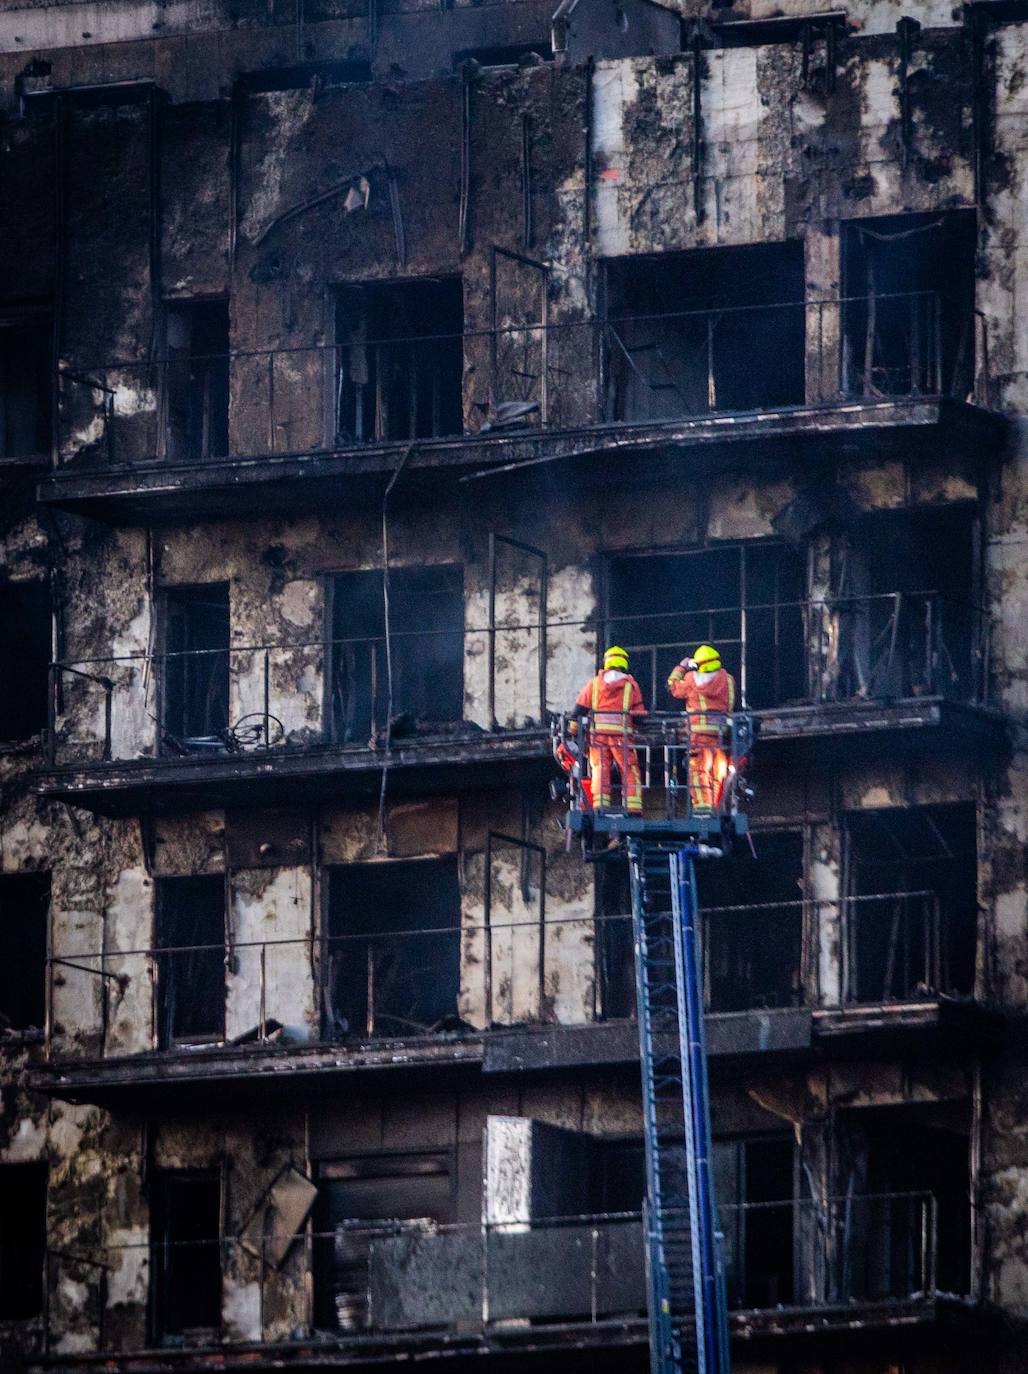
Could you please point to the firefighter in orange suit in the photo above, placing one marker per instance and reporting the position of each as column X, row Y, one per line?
column 708, row 691
column 614, row 701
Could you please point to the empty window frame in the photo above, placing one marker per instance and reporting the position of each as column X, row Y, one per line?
column 744, row 598
column 905, row 622
column 25, row 629
column 908, row 316
column 426, row 618
column 196, row 379
column 753, row 925
column 24, row 916
column 712, row 329
column 912, row 908
column 353, row 1194
column 381, row 979
column 190, row 960
column 26, row 384
column 400, row 360
column 185, row 1259
column 506, row 55
column 22, row 1240
column 195, row 681
column 751, row 1176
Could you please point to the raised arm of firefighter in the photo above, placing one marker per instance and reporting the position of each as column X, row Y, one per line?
column 703, row 685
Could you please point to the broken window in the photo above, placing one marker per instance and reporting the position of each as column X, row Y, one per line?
column 753, row 924
column 24, row 912
column 22, row 1240
column 185, row 1258
column 382, row 979
column 744, row 598
column 912, row 908
column 25, row 628
column 353, row 1193
column 741, row 903
column 750, row 1176
column 195, row 684
column 905, row 619
column 191, row 960
column 712, row 329
column 26, row 385
column 910, row 1220
column 908, row 317
column 196, row 379
column 426, row 619
column 509, row 55
column 401, row 360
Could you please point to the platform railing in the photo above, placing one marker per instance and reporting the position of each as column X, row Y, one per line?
column 631, row 367
column 422, row 1278
column 310, row 693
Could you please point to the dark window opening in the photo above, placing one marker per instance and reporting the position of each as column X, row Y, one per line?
column 196, row 379
column 752, row 957
column 712, row 329
column 908, row 319
column 508, row 55
column 401, row 360
column 25, row 634
column 185, row 1266
column 191, row 981
column 26, row 385
column 24, row 913
column 426, row 619
column 918, row 1207
column 318, row 76
column 22, row 1240
column 912, row 912
column 381, row 981
column 617, row 1176
column 351, row 1194
column 196, row 666
column 745, row 599
column 906, row 619
column 758, row 1239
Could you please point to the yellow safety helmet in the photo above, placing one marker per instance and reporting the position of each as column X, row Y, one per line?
column 707, row 659
column 615, row 658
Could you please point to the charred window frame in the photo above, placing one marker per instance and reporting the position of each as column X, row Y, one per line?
column 354, row 1192
column 911, row 887
column 195, row 393
column 194, row 695
column 506, row 55
column 24, row 942
column 186, row 1225
column 426, row 621
column 713, row 329
column 23, row 1189
column 26, row 383
column 26, row 636
column 746, row 598
column 759, row 1244
column 382, row 975
column 190, row 940
column 400, row 360
column 909, row 315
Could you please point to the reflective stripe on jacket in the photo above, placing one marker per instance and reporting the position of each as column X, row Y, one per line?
column 612, row 696
column 716, row 696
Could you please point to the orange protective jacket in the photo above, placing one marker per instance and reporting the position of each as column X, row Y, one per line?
column 611, row 695
column 716, row 697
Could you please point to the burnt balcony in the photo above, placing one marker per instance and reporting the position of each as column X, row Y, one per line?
column 519, row 1291
column 200, row 1014
column 192, row 434
column 239, row 726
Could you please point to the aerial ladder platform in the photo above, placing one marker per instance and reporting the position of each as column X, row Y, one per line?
column 692, row 811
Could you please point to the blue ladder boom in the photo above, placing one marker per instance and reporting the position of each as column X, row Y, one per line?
column 687, row 1303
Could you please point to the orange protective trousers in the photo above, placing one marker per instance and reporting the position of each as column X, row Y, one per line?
column 708, row 768
column 603, row 752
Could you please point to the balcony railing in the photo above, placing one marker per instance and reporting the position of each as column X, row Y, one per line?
column 848, row 649
column 635, row 368
column 449, row 981
column 422, row 1279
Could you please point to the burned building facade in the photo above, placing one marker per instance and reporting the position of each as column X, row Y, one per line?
column 364, row 370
